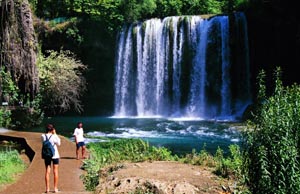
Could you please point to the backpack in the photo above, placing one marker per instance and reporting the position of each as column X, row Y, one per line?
column 47, row 149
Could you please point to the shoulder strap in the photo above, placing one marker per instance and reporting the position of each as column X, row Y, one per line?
column 47, row 137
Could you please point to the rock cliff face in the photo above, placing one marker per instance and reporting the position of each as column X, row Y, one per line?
column 18, row 44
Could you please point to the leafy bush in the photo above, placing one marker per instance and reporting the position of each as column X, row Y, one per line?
column 5, row 117
column 61, row 82
column 9, row 88
column 28, row 115
column 231, row 166
column 273, row 144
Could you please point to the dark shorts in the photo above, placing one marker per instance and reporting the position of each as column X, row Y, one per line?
column 80, row 144
column 53, row 161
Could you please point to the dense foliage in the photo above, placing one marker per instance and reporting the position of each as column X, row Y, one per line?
column 116, row 12
column 9, row 88
column 61, row 82
column 5, row 117
column 61, row 87
column 23, row 100
column 19, row 111
column 273, row 144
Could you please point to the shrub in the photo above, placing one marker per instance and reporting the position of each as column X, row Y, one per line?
column 5, row 117
column 230, row 166
column 273, row 143
column 61, row 81
column 28, row 115
column 9, row 88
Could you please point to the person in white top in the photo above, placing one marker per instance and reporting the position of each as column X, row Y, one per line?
column 79, row 139
column 55, row 141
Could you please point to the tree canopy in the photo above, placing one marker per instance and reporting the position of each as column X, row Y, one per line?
column 116, row 12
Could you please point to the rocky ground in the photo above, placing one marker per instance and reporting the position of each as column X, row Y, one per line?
column 161, row 177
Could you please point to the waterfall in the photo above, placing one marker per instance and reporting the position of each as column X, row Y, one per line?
column 183, row 66
column 123, row 87
column 196, row 105
column 225, row 90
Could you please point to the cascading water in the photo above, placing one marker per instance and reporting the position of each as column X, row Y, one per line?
column 183, row 66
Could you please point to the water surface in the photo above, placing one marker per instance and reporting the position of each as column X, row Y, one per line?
column 179, row 135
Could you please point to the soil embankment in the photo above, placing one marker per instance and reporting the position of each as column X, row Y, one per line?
column 163, row 177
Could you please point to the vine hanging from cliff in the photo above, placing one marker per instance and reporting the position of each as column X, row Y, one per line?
column 18, row 45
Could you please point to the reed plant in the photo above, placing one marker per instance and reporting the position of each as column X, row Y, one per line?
column 273, row 140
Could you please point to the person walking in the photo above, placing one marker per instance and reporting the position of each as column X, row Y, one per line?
column 55, row 141
column 79, row 140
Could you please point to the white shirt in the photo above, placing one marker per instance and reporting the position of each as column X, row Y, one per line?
column 78, row 133
column 55, row 141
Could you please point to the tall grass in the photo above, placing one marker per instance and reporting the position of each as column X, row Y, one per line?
column 10, row 165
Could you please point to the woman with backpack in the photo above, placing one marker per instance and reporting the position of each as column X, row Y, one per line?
column 55, row 141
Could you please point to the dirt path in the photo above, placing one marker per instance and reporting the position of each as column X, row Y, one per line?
column 32, row 180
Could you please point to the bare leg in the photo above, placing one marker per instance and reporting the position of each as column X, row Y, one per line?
column 55, row 173
column 77, row 153
column 47, row 175
column 83, row 151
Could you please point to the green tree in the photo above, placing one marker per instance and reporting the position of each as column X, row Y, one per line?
column 148, row 8
column 61, row 82
column 113, row 13
column 168, row 8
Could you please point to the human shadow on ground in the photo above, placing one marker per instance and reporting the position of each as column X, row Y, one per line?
column 68, row 158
